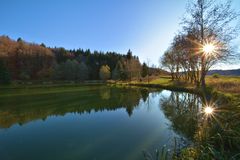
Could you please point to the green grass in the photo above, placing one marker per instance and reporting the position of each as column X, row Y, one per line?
column 164, row 81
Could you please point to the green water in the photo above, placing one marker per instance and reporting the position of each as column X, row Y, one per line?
column 93, row 122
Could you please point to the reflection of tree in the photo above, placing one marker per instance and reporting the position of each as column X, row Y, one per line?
column 144, row 93
column 182, row 110
column 24, row 108
column 130, row 99
column 105, row 93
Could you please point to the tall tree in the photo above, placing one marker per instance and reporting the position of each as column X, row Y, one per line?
column 212, row 24
column 144, row 70
column 129, row 54
column 83, row 72
column 168, row 62
column 118, row 72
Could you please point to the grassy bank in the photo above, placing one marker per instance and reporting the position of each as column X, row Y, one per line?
column 224, row 86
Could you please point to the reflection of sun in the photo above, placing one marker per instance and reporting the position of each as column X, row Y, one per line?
column 208, row 110
column 211, row 111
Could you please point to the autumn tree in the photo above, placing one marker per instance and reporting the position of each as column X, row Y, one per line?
column 29, row 61
column 105, row 72
column 168, row 62
column 132, row 66
column 24, row 60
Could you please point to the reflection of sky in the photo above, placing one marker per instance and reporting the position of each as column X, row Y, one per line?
column 146, row 27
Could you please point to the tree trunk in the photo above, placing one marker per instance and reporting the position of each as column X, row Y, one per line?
column 172, row 74
column 203, row 73
column 203, row 82
column 203, row 60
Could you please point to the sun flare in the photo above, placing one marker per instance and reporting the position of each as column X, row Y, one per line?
column 208, row 110
column 209, row 48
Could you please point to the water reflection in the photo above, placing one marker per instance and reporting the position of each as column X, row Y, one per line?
column 88, row 122
column 182, row 109
column 22, row 108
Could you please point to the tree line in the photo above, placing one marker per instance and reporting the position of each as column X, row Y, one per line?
column 20, row 60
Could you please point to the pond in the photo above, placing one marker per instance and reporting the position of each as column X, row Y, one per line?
column 93, row 122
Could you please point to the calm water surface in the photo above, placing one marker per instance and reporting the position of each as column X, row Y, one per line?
column 93, row 122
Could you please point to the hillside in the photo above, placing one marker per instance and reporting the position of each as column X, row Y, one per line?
column 21, row 60
column 233, row 72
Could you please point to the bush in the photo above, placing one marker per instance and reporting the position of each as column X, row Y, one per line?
column 216, row 75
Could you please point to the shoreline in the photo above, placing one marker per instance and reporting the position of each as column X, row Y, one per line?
column 207, row 93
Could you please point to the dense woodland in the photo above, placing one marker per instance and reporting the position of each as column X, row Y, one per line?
column 20, row 60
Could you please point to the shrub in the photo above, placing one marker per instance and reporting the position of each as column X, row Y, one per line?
column 216, row 75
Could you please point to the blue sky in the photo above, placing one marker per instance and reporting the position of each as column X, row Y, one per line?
column 144, row 26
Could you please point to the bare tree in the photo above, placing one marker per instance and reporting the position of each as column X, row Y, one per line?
column 212, row 24
column 168, row 62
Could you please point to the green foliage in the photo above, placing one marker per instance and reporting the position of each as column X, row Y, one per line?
column 105, row 72
column 215, row 75
column 43, row 45
column 71, row 70
column 119, row 72
column 144, row 70
column 189, row 153
column 129, row 54
column 83, row 72
column 19, row 39
column 4, row 74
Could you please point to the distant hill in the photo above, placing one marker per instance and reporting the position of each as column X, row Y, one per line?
column 234, row 72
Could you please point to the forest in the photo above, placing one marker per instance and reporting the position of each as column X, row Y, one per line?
column 20, row 60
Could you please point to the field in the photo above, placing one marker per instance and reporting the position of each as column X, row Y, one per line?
column 223, row 84
column 226, row 84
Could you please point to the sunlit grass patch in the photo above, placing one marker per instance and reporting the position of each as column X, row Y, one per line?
column 161, row 81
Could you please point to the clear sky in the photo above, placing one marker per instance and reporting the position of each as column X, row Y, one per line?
column 144, row 26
